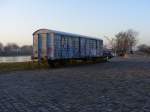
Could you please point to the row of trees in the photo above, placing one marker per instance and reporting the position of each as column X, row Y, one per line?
column 13, row 49
column 123, row 42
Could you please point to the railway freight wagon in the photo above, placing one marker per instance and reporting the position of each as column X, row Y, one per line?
column 56, row 46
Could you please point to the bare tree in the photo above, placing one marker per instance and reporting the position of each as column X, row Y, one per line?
column 125, row 41
column 132, row 39
column 122, row 43
column 26, row 50
column 11, row 49
column 1, row 47
column 112, row 43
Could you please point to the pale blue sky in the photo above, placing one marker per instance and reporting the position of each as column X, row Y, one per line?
column 20, row 18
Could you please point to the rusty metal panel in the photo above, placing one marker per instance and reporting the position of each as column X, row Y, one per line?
column 44, row 46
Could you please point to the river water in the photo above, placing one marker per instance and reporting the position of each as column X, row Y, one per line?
column 15, row 59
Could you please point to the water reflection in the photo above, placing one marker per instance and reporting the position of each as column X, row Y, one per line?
column 15, row 59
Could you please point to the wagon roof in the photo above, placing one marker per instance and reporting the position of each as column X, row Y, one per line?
column 62, row 33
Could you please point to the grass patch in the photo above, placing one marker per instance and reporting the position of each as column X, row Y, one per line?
column 20, row 66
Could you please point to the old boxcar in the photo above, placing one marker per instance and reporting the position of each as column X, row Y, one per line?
column 60, row 46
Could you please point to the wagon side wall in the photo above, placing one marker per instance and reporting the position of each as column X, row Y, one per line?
column 54, row 45
column 68, row 47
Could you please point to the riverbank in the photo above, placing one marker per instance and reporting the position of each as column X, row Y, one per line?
column 30, row 65
column 20, row 66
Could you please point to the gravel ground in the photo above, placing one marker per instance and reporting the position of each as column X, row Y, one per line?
column 121, row 85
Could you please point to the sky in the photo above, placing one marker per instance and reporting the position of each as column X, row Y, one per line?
column 98, row 18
